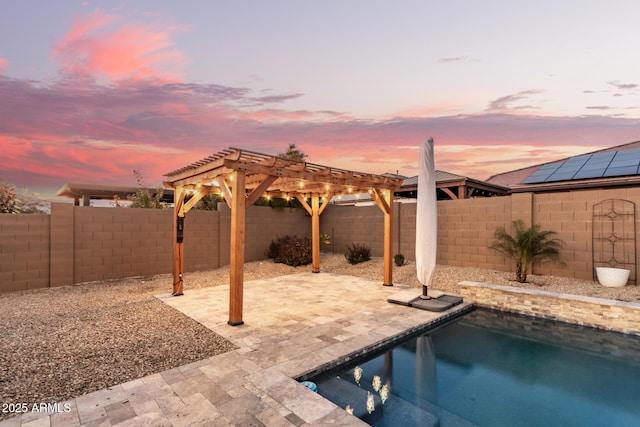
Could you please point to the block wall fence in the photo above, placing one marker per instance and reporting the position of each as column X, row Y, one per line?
column 80, row 244
column 466, row 228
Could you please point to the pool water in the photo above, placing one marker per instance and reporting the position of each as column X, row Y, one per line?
column 495, row 369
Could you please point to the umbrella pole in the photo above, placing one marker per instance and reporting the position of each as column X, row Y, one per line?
column 424, row 293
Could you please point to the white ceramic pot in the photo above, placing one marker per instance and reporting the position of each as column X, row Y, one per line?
column 612, row 277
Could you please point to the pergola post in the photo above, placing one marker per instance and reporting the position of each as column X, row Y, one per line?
column 388, row 238
column 178, row 241
column 236, row 275
column 315, row 232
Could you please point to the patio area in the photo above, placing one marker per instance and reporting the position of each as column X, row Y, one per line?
column 293, row 325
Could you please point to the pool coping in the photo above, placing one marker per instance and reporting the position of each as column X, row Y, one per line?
column 600, row 313
column 388, row 342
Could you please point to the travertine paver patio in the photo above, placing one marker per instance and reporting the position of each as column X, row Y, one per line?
column 293, row 324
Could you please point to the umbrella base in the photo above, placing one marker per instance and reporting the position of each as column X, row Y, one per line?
column 441, row 303
column 437, row 301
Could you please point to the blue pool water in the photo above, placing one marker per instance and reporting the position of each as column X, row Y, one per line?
column 495, row 369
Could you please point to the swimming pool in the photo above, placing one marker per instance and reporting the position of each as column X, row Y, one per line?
column 495, row 369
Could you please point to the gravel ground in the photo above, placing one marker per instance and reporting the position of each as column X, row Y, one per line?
column 59, row 343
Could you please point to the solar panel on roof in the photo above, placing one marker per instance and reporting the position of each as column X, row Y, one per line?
column 629, row 170
column 538, row 177
column 578, row 159
column 589, row 166
column 554, row 166
column 589, row 173
column 605, row 155
column 618, row 162
column 633, row 152
column 560, row 177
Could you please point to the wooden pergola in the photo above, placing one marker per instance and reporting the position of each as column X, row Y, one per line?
column 242, row 177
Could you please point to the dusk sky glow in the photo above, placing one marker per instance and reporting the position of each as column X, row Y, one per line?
column 90, row 90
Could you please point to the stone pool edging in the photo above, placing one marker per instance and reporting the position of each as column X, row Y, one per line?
column 611, row 315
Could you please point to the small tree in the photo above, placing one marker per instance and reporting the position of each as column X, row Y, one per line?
column 293, row 153
column 143, row 197
column 527, row 246
column 8, row 198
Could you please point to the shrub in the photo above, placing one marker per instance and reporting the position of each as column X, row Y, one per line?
column 527, row 246
column 143, row 197
column 8, row 198
column 357, row 253
column 398, row 259
column 291, row 250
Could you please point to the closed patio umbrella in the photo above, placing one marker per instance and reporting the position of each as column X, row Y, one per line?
column 426, row 217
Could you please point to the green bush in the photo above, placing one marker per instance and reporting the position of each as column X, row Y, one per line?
column 527, row 246
column 357, row 253
column 291, row 250
column 399, row 259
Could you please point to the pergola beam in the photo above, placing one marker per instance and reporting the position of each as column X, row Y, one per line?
column 195, row 199
column 259, row 190
column 226, row 192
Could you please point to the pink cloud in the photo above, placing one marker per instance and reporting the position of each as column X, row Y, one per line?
column 100, row 45
column 75, row 129
column 3, row 64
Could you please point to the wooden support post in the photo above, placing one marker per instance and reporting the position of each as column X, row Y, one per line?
column 388, row 239
column 178, row 241
column 236, row 274
column 315, row 232
column 384, row 200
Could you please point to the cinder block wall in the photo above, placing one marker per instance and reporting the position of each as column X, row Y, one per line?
column 203, row 241
column 77, row 244
column 24, row 252
column 264, row 224
column 347, row 225
column 116, row 243
column 466, row 228
column 570, row 214
column 405, row 237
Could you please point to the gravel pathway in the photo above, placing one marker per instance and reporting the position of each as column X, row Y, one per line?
column 63, row 342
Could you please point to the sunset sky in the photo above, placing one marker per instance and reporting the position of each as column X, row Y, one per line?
column 90, row 90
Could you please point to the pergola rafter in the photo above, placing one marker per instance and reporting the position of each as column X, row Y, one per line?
column 243, row 176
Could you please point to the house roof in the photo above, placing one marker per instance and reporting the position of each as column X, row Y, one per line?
column 92, row 191
column 613, row 166
column 456, row 186
column 441, row 176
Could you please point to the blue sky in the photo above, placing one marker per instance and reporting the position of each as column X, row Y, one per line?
column 93, row 90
